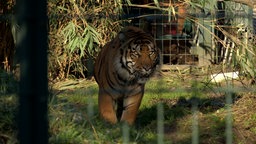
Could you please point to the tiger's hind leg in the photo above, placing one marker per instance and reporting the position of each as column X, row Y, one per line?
column 107, row 107
column 130, row 108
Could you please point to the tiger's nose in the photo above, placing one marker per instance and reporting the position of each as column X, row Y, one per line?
column 147, row 69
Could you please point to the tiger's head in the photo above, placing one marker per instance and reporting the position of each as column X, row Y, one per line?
column 138, row 55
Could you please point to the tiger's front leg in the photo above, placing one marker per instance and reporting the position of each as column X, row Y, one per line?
column 106, row 107
column 130, row 108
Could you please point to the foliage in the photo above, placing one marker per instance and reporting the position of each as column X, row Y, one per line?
column 7, row 47
column 8, row 83
column 245, row 55
column 78, row 29
column 8, row 121
column 233, row 32
column 239, row 40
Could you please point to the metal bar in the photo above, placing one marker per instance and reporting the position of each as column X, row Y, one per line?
column 33, row 88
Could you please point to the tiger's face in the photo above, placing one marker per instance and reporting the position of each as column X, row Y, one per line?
column 139, row 58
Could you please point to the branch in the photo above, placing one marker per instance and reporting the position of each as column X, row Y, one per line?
column 250, row 3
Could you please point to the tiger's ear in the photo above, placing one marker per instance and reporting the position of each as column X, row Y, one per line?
column 119, row 40
column 121, row 36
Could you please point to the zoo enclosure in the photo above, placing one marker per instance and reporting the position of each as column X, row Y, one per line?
column 194, row 36
column 171, row 41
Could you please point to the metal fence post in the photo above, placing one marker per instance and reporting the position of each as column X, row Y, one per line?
column 33, row 89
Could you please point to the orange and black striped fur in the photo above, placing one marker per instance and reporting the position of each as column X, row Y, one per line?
column 121, row 70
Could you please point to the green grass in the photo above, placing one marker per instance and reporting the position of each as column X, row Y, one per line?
column 172, row 111
column 8, row 113
column 74, row 117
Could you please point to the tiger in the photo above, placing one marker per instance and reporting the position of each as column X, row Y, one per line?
column 122, row 68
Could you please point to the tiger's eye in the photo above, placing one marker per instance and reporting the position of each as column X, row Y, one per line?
column 147, row 42
column 138, row 42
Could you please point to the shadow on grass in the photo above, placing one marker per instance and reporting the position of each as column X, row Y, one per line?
column 179, row 117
